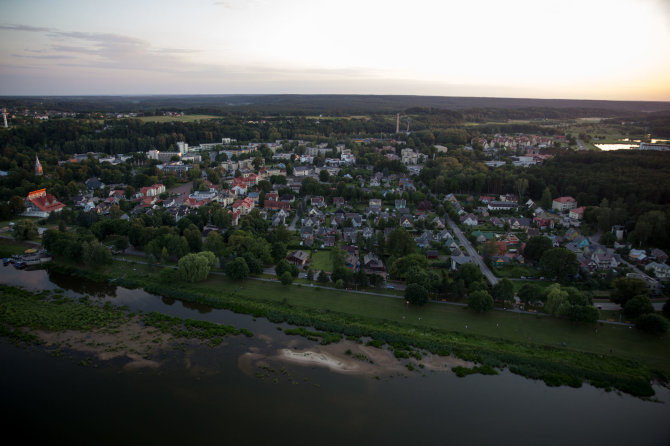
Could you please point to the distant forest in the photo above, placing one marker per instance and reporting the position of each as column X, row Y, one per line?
column 510, row 108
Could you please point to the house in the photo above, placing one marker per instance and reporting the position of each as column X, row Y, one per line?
column 502, row 205
column 571, row 234
column 424, row 239
column 302, row 171
column 373, row 265
column 432, row 254
column 486, row 199
column 577, row 213
column 562, row 204
column 469, row 220
column 243, row 206
column 94, row 183
column 299, row 258
column 318, row 201
column 661, row 270
column 272, row 204
column 375, row 202
column 306, row 234
column 349, row 235
column 637, row 255
column 338, row 201
column 457, row 261
column 604, row 259
column 444, row 235
column 351, row 258
column 150, row 191
column 40, row 204
column 278, row 220
column 519, row 223
column 400, row 204
column 368, row 232
column 658, row 255
column 406, row 221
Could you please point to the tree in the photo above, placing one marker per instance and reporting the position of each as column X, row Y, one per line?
column 193, row 238
column 237, row 269
column 480, row 301
column 531, row 292
column 625, row 289
column 212, row 260
column 400, row 243
column 95, row 254
column 503, row 290
column 193, row 267
column 652, row 323
column 637, row 306
column 324, row 176
column 546, row 199
column 24, row 230
column 214, row 243
column 416, row 294
column 286, row 278
column 470, row 273
column 556, row 299
column 560, row 263
column 401, row 266
column 310, row 274
column 322, row 277
column 607, row 239
column 536, row 246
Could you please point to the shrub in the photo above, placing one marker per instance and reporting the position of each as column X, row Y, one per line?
column 652, row 323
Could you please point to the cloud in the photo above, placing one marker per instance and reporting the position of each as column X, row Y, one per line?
column 42, row 56
column 24, row 28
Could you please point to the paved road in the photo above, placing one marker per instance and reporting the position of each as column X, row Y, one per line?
column 473, row 253
column 580, row 145
column 291, row 227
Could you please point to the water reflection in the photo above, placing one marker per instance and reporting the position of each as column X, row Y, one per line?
column 82, row 286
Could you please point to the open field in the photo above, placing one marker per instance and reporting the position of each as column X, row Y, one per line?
column 603, row 339
column 185, row 118
column 321, row 261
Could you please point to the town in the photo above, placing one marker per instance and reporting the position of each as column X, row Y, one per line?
column 359, row 213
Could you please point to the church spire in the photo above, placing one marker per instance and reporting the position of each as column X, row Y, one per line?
column 38, row 166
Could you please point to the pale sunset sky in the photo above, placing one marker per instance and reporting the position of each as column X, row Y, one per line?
column 571, row 49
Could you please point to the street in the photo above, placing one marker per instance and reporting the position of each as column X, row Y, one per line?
column 473, row 253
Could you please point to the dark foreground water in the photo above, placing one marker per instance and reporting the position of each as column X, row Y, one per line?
column 204, row 395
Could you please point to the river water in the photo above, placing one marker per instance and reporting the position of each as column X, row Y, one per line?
column 206, row 395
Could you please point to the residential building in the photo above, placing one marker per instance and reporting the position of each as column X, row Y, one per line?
column 40, row 204
column 562, row 204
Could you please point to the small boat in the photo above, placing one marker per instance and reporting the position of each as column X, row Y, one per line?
column 20, row 265
column 6, row 260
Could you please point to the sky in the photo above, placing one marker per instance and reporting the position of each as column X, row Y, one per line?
column 567, row 49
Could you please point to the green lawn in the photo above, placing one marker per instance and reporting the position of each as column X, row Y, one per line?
column 321, row 260
column 610, row 340
column 607, row 339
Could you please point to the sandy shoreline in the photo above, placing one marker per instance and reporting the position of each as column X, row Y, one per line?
column 351, row 357
column 131, row 340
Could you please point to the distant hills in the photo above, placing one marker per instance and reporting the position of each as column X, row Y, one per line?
column 326, row 104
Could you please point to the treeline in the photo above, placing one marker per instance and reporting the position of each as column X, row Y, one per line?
column 331, row 104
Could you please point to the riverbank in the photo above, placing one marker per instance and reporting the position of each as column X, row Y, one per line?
column 555, row 364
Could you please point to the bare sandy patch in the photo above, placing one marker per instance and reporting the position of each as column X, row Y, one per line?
column 351, row 357
column 131, row 340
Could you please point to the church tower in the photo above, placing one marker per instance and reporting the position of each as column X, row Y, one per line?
column 38, row 166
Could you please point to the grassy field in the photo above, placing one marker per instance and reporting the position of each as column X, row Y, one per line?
column 185, row 118
column 603, row 339
column 321, row 261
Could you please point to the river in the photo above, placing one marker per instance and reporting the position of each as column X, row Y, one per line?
column 206, row 394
